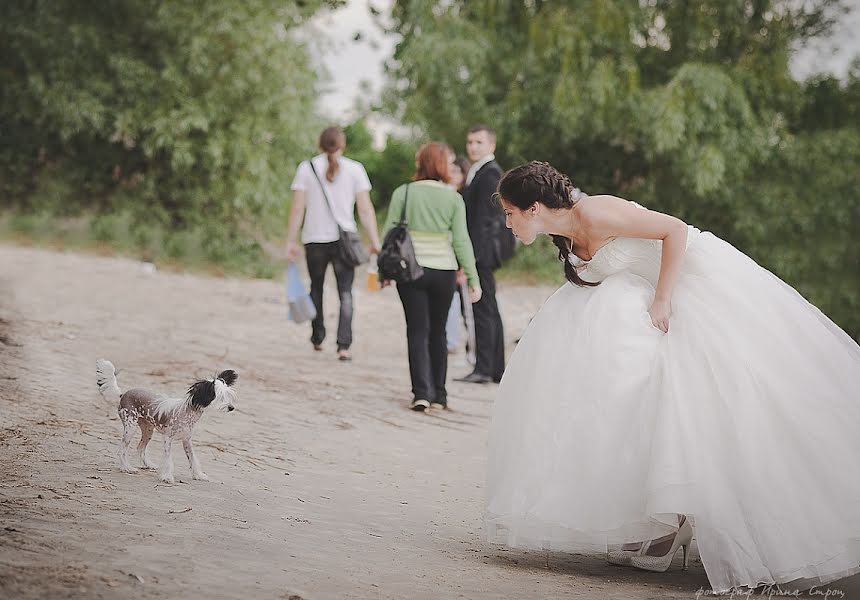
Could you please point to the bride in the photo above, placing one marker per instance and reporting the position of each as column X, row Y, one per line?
column 672, row 387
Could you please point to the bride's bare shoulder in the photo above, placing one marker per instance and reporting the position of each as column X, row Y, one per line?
column 596, row 208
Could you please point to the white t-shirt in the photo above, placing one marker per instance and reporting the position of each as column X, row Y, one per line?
column 351, row 178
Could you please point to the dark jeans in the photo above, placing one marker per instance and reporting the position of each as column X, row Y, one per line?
column 425, row 303
column 489, row 333
column 319, row 256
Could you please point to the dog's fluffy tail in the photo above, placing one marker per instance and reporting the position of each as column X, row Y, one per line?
column 106, row 379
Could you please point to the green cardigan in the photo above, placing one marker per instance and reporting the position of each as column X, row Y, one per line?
column 436, row 218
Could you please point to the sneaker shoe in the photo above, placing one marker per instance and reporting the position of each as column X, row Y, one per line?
column 438, row 406
column 419, row 405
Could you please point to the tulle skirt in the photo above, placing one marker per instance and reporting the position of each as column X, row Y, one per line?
column 745, row 416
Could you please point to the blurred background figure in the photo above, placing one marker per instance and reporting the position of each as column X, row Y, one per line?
column 489, row 239
column 437, row 225
column 326, row 190
column 458, row 169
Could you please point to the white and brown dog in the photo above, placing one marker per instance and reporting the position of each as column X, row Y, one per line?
column 173, row 417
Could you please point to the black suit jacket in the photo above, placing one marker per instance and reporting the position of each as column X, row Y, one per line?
column 485, row 218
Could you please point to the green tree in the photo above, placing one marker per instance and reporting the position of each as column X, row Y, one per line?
column 688, row 107
column 387, row 168
column 182, row 112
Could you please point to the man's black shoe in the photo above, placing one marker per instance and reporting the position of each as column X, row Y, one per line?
column 474, row 378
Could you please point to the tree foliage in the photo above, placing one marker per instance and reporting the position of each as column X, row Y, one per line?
column 688, row 107
column 183, row 112
column 387, row 168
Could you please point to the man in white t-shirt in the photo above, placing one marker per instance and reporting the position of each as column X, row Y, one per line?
column 326, row 191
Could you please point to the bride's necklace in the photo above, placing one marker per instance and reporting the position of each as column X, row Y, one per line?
column 572, row 239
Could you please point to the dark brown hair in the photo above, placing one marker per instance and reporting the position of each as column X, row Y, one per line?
column 465, row 165
column 432, row 162
column 332, row 139
column 481, row 127
column 541, row 182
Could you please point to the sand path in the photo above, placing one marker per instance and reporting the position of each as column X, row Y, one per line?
column 323, row 484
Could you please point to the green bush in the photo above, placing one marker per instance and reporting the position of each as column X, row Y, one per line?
column 536, row 263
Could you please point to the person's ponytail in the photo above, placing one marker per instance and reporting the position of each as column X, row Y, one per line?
column 331, row 140
column 333, row 167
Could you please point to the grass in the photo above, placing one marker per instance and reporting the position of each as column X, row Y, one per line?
column 211, row 251
column 534, row 264
column 198, row 249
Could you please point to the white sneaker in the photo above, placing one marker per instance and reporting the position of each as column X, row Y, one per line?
column 419, row 405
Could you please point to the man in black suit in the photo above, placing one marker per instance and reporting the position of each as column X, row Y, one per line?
column 492, row 243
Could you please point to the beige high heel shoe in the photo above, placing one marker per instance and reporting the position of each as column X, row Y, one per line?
column 682, row 540
column 624, row 557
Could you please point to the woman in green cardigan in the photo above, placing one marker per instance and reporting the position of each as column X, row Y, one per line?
column 437, row 224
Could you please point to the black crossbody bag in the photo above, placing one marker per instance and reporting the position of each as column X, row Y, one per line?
column 350, row 250
column 396, row 260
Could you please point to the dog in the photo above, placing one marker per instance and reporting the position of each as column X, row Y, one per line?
column 175, row 418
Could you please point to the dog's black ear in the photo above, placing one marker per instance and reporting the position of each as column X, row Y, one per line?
column 229, row 376
column 202, row 393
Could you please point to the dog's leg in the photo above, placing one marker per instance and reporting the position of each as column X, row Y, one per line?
column 145, row 436
column 128, row 427
column 166, row 473
column 196, row 470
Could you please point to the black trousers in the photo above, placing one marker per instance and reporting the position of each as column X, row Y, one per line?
column 425, row 303
column 489, row 332
column 318, row 257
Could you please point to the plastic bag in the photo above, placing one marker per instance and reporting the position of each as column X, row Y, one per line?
column 301, row 307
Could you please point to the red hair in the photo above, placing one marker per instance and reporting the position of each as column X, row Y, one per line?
column 432, row 162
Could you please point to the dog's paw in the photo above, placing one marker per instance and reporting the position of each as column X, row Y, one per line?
column 150, row 467
column 167, row 479
column 129, row 470
column 201, row 476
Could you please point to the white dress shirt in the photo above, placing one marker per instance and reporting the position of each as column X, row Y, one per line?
column 473, row 170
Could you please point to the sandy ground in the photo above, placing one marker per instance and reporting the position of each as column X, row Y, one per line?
column 324, row 485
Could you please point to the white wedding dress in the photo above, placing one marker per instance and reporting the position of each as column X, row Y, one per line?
column 745, row 416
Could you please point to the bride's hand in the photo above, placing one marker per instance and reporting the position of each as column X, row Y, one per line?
column 660, row 311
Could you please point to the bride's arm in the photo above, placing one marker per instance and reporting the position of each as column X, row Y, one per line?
column 610, row 217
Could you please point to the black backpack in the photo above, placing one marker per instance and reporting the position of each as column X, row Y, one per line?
column 396, row 260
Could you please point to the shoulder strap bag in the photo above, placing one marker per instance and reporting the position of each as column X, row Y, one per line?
column 350, row 250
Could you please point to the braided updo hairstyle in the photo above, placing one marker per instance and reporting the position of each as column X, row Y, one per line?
column 541, row 182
